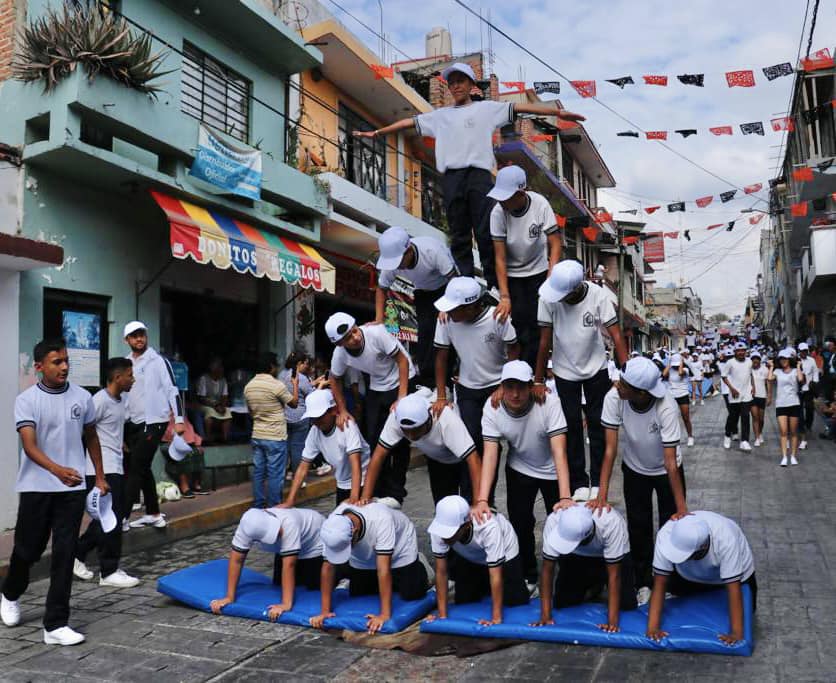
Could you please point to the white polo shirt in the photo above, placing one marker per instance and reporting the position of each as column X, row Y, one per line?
column 492, row 542
column 299, row 534
column 786, row 388
column 740, row 377
column 680, row 384
column 110, row 428
column 383, row 531
column 434, row 266
column 525, row 235
column 578, row 351
column 464, row 135
column 376, row 358
column 448, row 440
column 760, row 374
column 729, row 557
column 645, row 434
column 721, row 366
column 810, row 370
column 59, row 417
column 481, row 346
column 610, row 541
column 529, row 435
column 335, row 447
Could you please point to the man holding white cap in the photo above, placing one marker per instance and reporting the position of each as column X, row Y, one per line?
column 443, row 439
column 486, row 559
column 381, row 549
column 151, row 402
column 699, row 553
column 573, row 317
column 464, row 154
column 526, row 245
column 536, row 459
column 110, row 428
column 642, row 408
column 737, row 376
column 371, row 349
column 428, row 264
column 344, row 449
column 808, row 392
column 592, row 551
column 293, row 535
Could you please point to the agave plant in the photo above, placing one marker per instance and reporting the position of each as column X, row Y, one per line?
column 62, row 39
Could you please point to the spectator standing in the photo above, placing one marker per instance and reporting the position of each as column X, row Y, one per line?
column 808, row 392
column 213, row 396
column 298, row 364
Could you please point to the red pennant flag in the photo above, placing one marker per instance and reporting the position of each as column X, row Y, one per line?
column 749, row 189
column 561, row 220
column 655, row 80
column 715, row 226
column 721, row 130
column 740, row 79
column 630, row 240
column 783, row 123
column 833, row 196
column 514, row 85
column 603, row 216
column 541, row 137
column 754, row 220
column 702, row 202
column 657, row 135
column 818, row 60
column 566, row 125
column 590, row 233
column 799, row 209
column 671, row 235
column 651, row 209
column 803, row 175
column 381, row 71
column 584, row 88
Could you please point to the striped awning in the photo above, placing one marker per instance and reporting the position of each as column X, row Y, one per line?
column 208, row 236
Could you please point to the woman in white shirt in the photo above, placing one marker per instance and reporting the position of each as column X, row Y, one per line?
column 761, row 395
column 677, row 376
column 788, row 381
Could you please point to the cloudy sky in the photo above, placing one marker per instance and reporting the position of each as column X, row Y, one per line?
column 614, row 38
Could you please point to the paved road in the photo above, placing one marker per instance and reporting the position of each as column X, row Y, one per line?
column 787, row 514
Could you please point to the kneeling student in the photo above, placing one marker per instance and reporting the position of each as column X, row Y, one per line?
column 381, row 549
column 699, row 553
column 291, row 533
column 592, row 551
column 487, row 559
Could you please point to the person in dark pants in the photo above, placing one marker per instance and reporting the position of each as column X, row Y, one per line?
column 573, row 316
column 737, row 376
column 51, row 418
column 808, row 393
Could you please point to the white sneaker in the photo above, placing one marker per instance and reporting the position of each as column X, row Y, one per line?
column 135, row 507
column 690, row 440
column 745, row 446
column 727, row 442
column 126, row 525
column 80, row 571
column 581, row 494
column 593, row 493
column 784, row 461
column 533, row 590
column 793, row 460
column 643, row 595
column 342, row 584
column 756, row 442
column 149, row 520
column 9, row 611
column 702, row 401
column 63, row 636
column 119, row 579
column 802, row 445
column 736, row 437
column 390, row 502
column 323, row 470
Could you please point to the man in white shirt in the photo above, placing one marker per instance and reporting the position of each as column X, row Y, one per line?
column 808, row 393
column 153, row 400
column 737, row 376
column 428, row 264
column 381, row 549
column 573, row 317
column 699, row 553
column 371, row 349
column 526, row 245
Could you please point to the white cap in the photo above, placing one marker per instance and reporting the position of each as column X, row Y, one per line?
column 392, row 243
column 100, row 507
column 465, row 69
column 261, row 526
column 785, row 353
column 803, row 346
column 565, row 276
column 318, row 402
column 643, row 374
column 740, row 346
column 676, row 359
column 518, row 370
column 450, row 513
column 335, row 534
column 634, row 354
column 178, row 449
column 132, row 327
column 339, row 325
column 573, row 525
column 755, row 354
column 413, row 410
column 509, row 181
column 687, row 536
column 460, row 291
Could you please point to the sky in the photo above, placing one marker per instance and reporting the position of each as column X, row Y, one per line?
column 613, row 38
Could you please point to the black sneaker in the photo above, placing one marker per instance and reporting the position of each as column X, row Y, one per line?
column 188, row 493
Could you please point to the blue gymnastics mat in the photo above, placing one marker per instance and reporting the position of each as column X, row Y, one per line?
column 693, row 623
column 197, row 586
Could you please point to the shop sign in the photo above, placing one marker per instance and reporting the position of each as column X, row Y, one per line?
column 234, row 168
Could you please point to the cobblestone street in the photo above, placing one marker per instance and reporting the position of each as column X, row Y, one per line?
column 787, row 514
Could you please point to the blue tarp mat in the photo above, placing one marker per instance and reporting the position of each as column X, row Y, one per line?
column 693, row 623
column 197, row 586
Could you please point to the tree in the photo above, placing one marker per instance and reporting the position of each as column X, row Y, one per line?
column 718, row 318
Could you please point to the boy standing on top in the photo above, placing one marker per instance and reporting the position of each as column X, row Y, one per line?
column 464, row 154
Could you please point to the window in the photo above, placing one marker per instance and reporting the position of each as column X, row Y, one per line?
column 568, row 167
column 363, row 160
column 214, row 94
column 432, row 202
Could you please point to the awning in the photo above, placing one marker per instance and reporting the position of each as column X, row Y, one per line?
column 210, row 236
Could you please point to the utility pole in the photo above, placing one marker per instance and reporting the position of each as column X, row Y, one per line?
column 620, row 241
column 789, row 313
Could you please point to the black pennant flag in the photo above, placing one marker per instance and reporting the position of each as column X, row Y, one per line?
column 824, row 166
column 547, row 86
column 692, row 79
column 621, row 82
column 685, row 132
column 778, row 70
column 731, row 226
column 687, row 235
column 632, row 212
column 628, row 134
column 676, row 206
column 727, row 196
column 754, row 128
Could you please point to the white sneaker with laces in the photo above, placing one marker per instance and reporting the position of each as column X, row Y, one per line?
column 745, row 446
column 63, row 636
column 593, row 493
column 727, row 442
column 784, row 461
column 643, row 595
column 581, row 494
column 802, row 445
column 119, row 579
column 80, row 571
column 793, row 460
column 702, row 401
column 390, row 502
column 135, row 507
column 126, row 525
column 323, row 470
column 149, row 520
column 690, row 440
column 9, row 611
column 343, row 584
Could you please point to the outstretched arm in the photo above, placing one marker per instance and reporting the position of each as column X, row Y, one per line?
column 403, row 124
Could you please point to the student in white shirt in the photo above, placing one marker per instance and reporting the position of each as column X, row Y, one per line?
column 737, row 376
column 428, row 264
column 293, row 535
column 345, row 450
column 677, row 375
column 788, row 379
column 536, row 459
column 464, row 154
column 485, row 559
column 699, row 553
column 371, row 349
column 51, row 417
column 526, row 245
column 695, row 367
column 381, row 549
column 110, row 428
column 761, row 395
column 808, row 393
column 444, row 440
column 642, row 408
column 574, row 316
